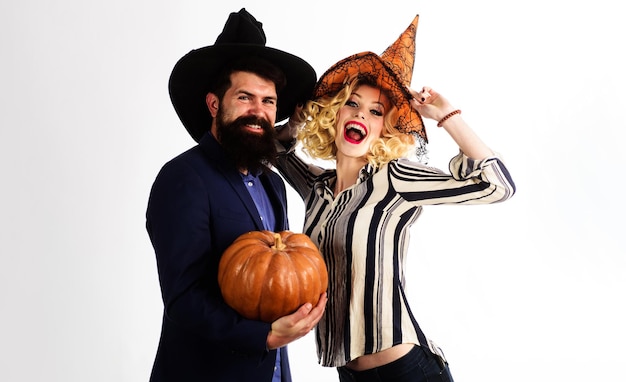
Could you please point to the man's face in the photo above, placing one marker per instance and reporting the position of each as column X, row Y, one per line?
column 249, row 95
column 244, row 123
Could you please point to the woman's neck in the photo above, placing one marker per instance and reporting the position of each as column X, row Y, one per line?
column 348, row 169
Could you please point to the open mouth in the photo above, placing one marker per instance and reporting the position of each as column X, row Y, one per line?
column 354, row 132
column 255, row 128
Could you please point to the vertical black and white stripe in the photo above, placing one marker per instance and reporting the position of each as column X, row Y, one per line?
column 363, row 235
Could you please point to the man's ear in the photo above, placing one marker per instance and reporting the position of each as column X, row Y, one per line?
column 213, row 103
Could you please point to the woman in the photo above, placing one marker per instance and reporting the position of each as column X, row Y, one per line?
column 364, row 116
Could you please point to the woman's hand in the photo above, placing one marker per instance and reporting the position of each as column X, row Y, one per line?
column 289, row 131
column 430, row 104
column 433, row 105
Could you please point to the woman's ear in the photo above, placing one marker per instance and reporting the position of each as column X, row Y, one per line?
column 213, row 103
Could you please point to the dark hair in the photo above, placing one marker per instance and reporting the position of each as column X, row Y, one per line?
column 251, row 64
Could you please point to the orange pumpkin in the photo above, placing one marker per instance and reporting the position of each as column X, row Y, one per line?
column 265, row 275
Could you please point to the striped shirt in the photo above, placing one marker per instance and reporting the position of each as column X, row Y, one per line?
column 363, row 235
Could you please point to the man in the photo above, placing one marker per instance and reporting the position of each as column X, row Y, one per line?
column 228, row 97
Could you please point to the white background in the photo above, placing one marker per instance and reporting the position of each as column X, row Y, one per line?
column 528, row 290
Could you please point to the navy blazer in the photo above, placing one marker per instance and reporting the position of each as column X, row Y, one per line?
column 198, row 206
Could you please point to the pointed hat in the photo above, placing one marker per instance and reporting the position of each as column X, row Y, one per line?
column 391, row 71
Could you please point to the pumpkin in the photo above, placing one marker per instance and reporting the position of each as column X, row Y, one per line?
column 265, row 275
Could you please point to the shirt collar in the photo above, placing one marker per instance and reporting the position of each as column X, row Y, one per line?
column 329, row 177
column 251, row 174
column 366, row 172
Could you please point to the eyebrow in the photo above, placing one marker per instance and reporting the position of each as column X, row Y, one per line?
column 243, row 91
column 376, row 102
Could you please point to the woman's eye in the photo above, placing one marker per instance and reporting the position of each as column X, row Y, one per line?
column 351, row 104
column 376, row 112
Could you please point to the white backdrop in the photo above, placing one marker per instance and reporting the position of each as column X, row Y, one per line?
column 529, row 290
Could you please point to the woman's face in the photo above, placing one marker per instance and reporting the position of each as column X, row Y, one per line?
column 360, row 121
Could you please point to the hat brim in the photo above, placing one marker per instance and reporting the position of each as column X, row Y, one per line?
column 371, row 66
column 196, row 72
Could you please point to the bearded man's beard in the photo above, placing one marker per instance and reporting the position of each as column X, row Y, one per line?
column 248, row 150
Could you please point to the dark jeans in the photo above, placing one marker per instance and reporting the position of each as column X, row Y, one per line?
column 418, row 365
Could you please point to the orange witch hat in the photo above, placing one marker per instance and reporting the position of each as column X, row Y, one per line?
column 391, row 71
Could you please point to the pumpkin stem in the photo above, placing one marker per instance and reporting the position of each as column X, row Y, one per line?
column 278, row 243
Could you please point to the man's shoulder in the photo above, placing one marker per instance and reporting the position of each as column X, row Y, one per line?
column 191, row 163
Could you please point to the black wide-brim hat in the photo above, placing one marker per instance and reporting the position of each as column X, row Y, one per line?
column 194, row 75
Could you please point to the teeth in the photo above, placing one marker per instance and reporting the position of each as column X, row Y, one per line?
column 356, row 127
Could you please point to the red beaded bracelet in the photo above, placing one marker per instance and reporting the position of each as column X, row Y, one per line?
column 457, row 111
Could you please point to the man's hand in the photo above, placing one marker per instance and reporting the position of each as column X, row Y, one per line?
column 289, row 328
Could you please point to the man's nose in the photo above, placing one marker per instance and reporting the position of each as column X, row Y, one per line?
column 257, row 107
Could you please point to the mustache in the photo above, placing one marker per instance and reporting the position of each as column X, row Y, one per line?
column 241, row 122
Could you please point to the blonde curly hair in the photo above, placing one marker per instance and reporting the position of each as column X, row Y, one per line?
column 318, row 133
